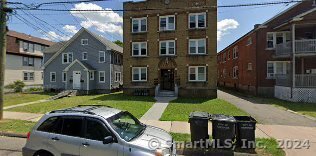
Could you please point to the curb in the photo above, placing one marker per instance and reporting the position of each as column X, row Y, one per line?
column 306, row 116
column 15, row 135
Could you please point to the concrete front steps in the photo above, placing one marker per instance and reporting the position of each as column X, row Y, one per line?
column 165, row 93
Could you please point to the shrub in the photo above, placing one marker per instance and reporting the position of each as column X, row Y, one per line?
column 17, row 86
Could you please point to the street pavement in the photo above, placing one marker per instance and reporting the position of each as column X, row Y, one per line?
column 11, row 146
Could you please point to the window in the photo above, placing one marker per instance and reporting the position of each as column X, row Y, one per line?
column 27, row 47
column 67, row 58
column 139, row 48
column 224, row 73
column 228, row 53
column 197, row 73
column 91, row 75
column 72, row 127
column 249, row 41
column 197, row 46
column 28, row 76
column 197, row 20
column 64, row 77
column 51, row 125
column 101, row 57
column 235, row 52
column 28, row 61
column 84, row 56
column 118, row 76
column 102, row 76
column 139, row 25
column 167, row 23
column 235, row 72
column 96, row 130
column 274, row 38
column 167, row 47
column 84, row 41
column 277, row 68
column 52, row 76
column 249, row 66
column 139, row 73
column 270, row 40
column 224, row 57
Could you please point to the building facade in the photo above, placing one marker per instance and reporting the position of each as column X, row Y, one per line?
column 87, row 62
column 170, row 50
column 24, row 58
column 276, row 58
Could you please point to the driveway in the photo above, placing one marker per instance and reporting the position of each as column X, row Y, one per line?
column 266, row 113
column 11, row 146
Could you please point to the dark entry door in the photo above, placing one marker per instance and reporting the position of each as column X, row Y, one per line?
column 167, row 79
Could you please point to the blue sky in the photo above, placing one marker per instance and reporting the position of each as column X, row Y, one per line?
column 233, row 22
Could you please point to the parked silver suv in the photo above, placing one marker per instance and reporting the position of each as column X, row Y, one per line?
column 96, row 131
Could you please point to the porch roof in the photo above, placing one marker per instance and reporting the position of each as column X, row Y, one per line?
column 86, row 66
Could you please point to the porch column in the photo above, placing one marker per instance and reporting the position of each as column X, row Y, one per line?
column 293, row 50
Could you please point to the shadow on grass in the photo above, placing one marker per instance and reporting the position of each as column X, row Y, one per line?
column 121, row 97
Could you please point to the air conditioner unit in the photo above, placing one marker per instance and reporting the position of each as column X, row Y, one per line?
column 313, row 71
column 308, row 71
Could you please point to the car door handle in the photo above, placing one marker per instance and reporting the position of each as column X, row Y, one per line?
column 85, row 144
column 55, row 139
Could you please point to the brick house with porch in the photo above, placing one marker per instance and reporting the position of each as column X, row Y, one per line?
column 276, row 58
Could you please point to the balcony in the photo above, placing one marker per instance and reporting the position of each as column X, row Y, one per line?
column 301, row 80
column 302, row 47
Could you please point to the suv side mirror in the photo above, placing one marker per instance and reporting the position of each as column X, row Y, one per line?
column 108, row 140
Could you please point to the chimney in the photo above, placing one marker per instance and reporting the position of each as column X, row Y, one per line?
column 257, row 25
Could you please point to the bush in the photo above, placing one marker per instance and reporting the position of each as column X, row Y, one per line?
column 35, row 89
column 17, row 86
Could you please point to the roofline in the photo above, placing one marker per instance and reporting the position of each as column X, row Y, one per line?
column 73, row 63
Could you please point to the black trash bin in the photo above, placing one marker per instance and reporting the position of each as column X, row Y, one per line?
column 199, row 126
column 245, row 134
column 223, row 130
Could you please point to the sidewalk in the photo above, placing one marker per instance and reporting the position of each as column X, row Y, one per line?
column 22, row 116
column 155, row 112
column 24, row 104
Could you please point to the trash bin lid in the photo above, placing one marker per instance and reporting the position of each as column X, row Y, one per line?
column 199, row 115
column 222, row 117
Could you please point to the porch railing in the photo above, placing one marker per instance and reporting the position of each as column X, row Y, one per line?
column 305, row 46
column 305, row 80
column 284, row 49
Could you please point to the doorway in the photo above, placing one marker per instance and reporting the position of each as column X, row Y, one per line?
column 167, row 79
column 76, row 80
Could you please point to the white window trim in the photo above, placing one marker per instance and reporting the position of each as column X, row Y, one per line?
column 28, row 76
column 50, row 76
column 63, row 76
column 140, row 49
column 92, row 74
column 235, row 52
column 72, row 58
column 275, row 68
column 100, row 52
column 249, row 41
column 82, row 42
column 140, row 75
column 120, row 78
column 139, row 24
column 100, row 76
column 249, row 67
column 197, row 20
column 197, row 73
column 235, row 69
column 197, row 46
column 167, row 23
column 274, row 38
column 167, row 48
column 83, row 55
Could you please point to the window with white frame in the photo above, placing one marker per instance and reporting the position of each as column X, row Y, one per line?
column 167, row 47
column 28, row 76
column 139, row 73
column 27, row 47
column 28, row 61
column 249, row 41
column 235, row 72
column 197, row 20
column 84, row 41
column 197, row 46
column 101, row 76
column 91, row 75
column 118, row 76
column 139, row 25
column 197, row 73
column 52, row 76
column 84, row 56
column 167, row 23
column 274, row 38
column 139, row 48
column 67, row 58
column 249, row 67
column 277, row 68
column 101, row 56
column 64, row 77
column 235, row 52
column 228, row 53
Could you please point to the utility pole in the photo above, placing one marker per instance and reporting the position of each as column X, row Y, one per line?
column 3, row 42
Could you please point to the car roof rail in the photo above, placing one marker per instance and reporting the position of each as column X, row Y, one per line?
column 94, row 106
column 73, row 111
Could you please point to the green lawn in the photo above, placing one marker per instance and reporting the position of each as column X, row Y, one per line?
column 136, row 105
column 18, row 98
column 180, row 109
column 16, row 126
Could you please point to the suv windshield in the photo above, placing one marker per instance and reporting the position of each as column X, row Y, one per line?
column 126, row 125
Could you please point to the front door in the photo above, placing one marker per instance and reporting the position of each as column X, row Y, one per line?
column 167, row 79
column 76, row 80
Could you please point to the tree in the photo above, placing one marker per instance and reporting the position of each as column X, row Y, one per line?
column 118, row 42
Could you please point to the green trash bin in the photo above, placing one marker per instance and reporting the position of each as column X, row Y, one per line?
column 245, row 134
column 223, row 130
column 199, row 126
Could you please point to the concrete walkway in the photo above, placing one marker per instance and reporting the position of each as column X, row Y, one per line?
column 22, row 116
column 267, row 113
column 155, row 112
column 24, row 104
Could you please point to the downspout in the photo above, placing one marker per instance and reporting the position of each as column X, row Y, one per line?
column 257, row 81
column 110, row 70
column 88, row 81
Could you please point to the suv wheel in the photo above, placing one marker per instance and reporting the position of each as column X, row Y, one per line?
column 43, row 153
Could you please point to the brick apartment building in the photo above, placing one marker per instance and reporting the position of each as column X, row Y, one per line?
column 24, row 58
column 276, row 58
column 170, row 48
